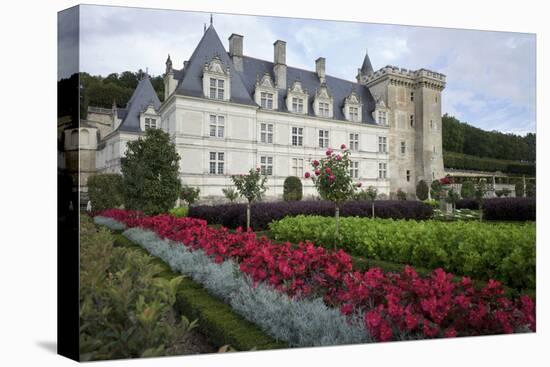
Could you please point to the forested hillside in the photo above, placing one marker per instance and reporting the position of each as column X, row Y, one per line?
column 459, row 137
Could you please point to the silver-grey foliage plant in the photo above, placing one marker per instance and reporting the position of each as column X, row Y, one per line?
column 300, row 322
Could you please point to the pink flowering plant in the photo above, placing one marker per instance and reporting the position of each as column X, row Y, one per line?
column 332, row 178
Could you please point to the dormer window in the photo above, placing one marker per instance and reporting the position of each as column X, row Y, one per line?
column 217, row 88
column 322, row 105
column 353, row 107
column 216, row 80
column 382, row 117
column 297, row 105
column 265, row 94
column 150, row 123
column 380, row 113
column 296, row 100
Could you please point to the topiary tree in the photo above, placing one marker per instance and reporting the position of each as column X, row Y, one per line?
column 530, row 190
column 332, row 179
column 189, row 194
column 480, row 191
column 251, row 187
column 519, row 189
column 452, row 197
column 422, row 190
column 292, row 189
column 372, row 193
column 105, row 191
column 467, row 190
column 151, row 173
column 230, row 194
column 435, row 190
column 401, row 195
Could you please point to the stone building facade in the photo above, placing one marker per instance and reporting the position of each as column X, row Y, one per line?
column 228, row 112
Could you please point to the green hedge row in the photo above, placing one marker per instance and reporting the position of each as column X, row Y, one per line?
column 469, row 162
column 216, row 319
column 505, row 252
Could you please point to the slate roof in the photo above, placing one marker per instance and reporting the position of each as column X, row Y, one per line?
column 243, row 83
column 143, row 96
column 366, row 68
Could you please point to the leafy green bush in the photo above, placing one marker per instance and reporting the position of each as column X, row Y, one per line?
column 126, row 308
column 292, row 189
column 189, row 194
column 501, row 251
column 467, row 191
column 530, row 190
column 422, row 190
column 401, row 195
column 150, row 173
column 519, row 189
column 105, row 191
column 433, row 203
column 179, row 212
column 230, row 194
column 435, row 189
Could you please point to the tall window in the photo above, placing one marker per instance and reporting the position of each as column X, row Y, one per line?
column 150, row 123
column 382, row 170
column 403, row 147
column 412, row 96
column 323, row 138
column 408, row 175
column 266, row 133
column 411, row 120
column 266, row 100
column 217, row 126
column 382, row 118
column 297, row 136
column 382, row 144
column 297, row 105
column 354, row 170
column 323, row 109
column 354, row 141
column 354, row 113
column 297, row 167
column 217, row 160
column 266, row 165
column 217, row 87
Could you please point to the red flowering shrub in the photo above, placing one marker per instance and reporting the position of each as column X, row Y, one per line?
column 393, row 304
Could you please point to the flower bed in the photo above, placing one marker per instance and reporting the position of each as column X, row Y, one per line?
column 501, row 251
column 393, row 305
column 234, row 215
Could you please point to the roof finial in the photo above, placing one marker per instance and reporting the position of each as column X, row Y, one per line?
column 211, row 20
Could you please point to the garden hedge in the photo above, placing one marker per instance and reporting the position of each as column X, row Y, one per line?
column 234, row 215
column 505, row 252
column 510, row 209
column 469, row 162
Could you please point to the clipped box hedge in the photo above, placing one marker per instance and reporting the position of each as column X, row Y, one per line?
column 504, row 252
column 510, row 209
column 234, row 215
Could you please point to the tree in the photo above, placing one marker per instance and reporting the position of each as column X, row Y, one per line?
column 467, row 190
column 480, row 191
column 372, row 193
column 292, row 189
column 436, row 190
column 422, row 190
column 151, row 173
column 230, row 194
column 190, row 194
column 105, row 191
column 251, row 187
column 332, row 179
column 401, row 195
column 452, row 197
column 530, row 190
column 519, row 189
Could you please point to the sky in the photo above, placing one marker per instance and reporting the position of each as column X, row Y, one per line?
column 491, row 76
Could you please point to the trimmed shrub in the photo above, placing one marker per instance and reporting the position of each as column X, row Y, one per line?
column 179, row 212
column 467, row 190
column 401, row 195
column 105, row 191
column 435, row 189
column 470, row 162
column 292, row 189
column 510, row 209
column 519, row 189
column 483, row 251
column 189, row 194
column 530, row 190
column 233, row 215
column 467, row 204
column 422, row 190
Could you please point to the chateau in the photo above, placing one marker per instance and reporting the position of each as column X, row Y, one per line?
column 228, row 112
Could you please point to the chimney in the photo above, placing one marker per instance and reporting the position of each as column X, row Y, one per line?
column 236, row 51
column 320, row 69
column 279, row 68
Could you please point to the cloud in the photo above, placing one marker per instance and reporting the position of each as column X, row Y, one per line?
column 490, row 75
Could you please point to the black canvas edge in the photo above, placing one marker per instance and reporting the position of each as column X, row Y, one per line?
column 68, row 201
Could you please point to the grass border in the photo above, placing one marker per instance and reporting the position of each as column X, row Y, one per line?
column 216, row 319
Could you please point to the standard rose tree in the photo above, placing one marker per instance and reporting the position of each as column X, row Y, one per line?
column 332, row 179
column 251, row 187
